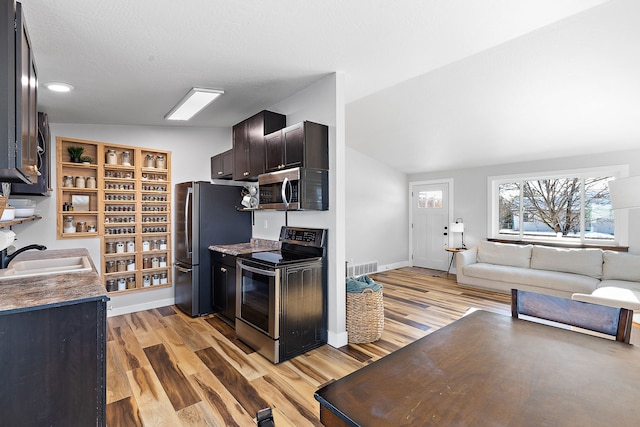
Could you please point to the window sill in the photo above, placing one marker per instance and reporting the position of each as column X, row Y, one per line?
column 560, row 244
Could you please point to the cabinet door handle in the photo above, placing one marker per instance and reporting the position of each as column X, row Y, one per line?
column 223, row 270
column 219, row 172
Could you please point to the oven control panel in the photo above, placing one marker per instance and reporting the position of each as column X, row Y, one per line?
column 303, row 236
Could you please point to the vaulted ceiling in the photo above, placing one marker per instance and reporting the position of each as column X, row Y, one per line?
column 429, row 84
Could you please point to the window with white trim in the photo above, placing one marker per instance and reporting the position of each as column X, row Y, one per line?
column 569, row 206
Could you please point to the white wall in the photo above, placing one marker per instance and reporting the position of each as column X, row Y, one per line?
column 191, row 149
column 322, row 103
column 470, row 198
column 377, row 212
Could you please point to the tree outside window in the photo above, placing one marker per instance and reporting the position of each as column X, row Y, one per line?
column 576, row 208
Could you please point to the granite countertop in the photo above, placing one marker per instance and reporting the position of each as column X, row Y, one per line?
column 25, row 293
column 255, row 245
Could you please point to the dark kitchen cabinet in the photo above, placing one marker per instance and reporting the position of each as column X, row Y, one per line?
column 41, row 185
column 223, row 274
column 248, row 143
column 222, row 165
column 18, row 94
column 53, row 365
column 305, row 144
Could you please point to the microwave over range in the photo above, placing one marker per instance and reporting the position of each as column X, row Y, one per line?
column 296, row 189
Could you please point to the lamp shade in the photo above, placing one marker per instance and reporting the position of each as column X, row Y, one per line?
column 625, row 192
column 456, row 227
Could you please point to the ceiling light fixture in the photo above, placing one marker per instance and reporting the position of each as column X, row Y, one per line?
column 58, row 86
column 194, row 101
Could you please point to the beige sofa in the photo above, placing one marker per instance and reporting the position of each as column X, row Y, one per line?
column 594, row 275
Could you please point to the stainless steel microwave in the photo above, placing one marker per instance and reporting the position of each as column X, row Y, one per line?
column 297, row 189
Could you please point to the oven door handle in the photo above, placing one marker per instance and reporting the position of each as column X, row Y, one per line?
column 258, row 270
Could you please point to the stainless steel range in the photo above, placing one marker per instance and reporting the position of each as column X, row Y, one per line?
column 281, row 296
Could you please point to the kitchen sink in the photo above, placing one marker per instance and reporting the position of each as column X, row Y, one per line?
column 41, row 267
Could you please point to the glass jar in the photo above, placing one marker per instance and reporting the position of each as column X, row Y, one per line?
column 121, row 266
column 91, row 182
column 146, row 281
column 80, row 182
column 91, row 228
column 111, row 267
column 111, row 285
column 160, row 163
column 110, row 248
column 111, row 158
column 155, row 279
column 69, row 226
column 120, row 247
column 131, row 247
column 155, row 262
column 131, row 265
column 131, row 282
column 149, row 161
column 146, row 246
column 163, row 261
column 163, row 279
column 155, row 245
column 67, row 181
column 126, row 158
column 122, row 284
column 163, row 245
column 146, row 263
column 81, row 227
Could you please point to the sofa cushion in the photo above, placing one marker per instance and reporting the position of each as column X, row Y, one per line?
column 621, row 266
column 579, row 261
column 624, row 284
column 544, row 279
column 504, row 254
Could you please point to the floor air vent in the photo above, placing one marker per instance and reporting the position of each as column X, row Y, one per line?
column 360, row 269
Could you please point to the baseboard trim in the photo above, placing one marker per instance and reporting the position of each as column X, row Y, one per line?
column 111, row 311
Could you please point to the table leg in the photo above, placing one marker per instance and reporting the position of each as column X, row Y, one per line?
column 450, row 262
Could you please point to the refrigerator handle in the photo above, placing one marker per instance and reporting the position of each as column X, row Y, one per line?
column 187, row 224
column 183, row 270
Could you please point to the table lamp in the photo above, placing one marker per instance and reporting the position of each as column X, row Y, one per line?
column 458, row 227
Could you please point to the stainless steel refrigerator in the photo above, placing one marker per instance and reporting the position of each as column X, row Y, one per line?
column 206, row 214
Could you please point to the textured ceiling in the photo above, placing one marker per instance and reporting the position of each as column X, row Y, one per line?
column 131, row 61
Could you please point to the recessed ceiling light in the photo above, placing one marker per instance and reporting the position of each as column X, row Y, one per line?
column 194, row 101
column 58, row 87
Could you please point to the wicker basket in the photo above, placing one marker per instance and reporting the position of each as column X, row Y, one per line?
column 365, row 316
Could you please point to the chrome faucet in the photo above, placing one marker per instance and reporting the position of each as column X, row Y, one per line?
column 6, row 259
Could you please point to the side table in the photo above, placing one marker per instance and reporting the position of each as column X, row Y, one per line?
column 453, row 251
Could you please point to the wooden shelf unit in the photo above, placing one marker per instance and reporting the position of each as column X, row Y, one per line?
column 130, row 209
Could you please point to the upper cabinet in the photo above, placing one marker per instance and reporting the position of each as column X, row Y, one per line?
column 305, row 144
column 248, row 143
column 18, row 104
column 222, row 165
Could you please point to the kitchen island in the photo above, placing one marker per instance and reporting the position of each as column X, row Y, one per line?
column 53, row 345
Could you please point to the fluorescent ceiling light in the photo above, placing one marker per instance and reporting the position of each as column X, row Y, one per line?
column 194, row 101
column 58, row 86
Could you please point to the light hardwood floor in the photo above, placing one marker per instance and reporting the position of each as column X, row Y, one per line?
column 167, row 369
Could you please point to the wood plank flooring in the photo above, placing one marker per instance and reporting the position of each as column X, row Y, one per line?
column 167, row 369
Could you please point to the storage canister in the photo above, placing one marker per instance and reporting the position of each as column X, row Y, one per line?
column 131, row 247
column 126, row 158
column 122, row 284
column 91, row 182
column 131, row 282
column 69, row 226
column 163, row 245
column 80, row 182
column 163, row 279
column 111, row 285
column 121, row 266
column 146, row 263
column 110, row 248
column 131, row 265
column 81, row 227
column 155, row 279
column 149, row 161
column 120, row 247
column 163, row 261
column 111, row 158
column 111, row 267
column 155, row 262
column 146, row 281
column 160, row 163
column 145, row 245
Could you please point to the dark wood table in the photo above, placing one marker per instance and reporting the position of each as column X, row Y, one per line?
column 488, row 369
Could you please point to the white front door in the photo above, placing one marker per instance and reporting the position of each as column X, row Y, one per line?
column 430, row 214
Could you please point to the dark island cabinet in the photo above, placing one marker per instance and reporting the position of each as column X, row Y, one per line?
column 222, row 165
column 52, row 365
column 248, row 143
column 223, row 274
column 305, row 144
